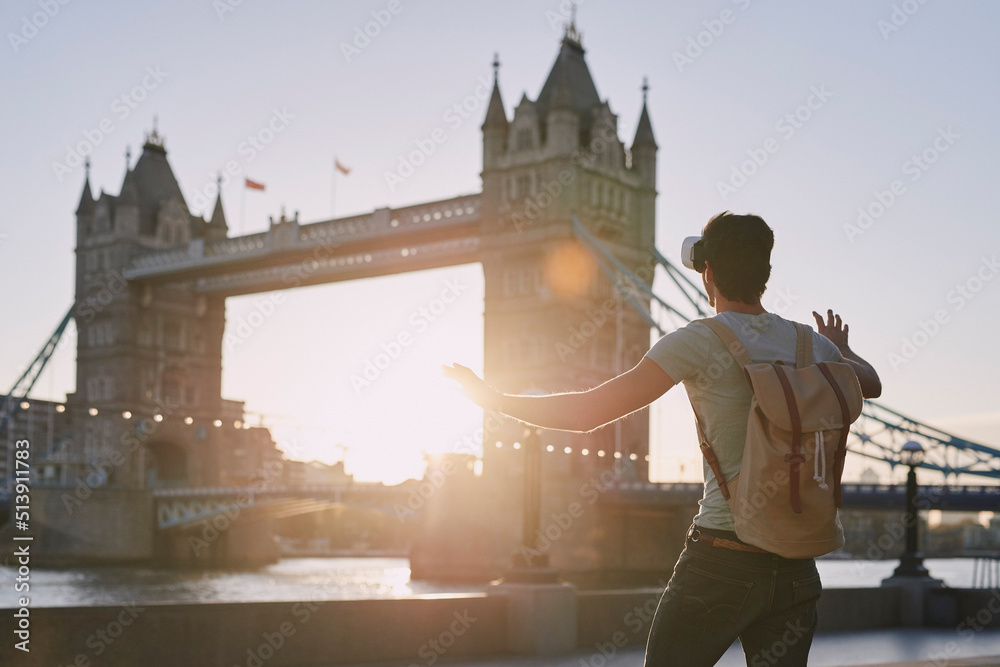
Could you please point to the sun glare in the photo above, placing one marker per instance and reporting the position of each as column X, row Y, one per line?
column 352, row 371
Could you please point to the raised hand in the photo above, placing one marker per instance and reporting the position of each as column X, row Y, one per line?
column 833, row 328
column 473, row 386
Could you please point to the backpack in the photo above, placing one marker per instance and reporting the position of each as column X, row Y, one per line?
column 799, row 418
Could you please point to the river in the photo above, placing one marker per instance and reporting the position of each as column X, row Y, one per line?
column 331, row 578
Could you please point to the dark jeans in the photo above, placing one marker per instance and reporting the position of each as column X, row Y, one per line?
column 716, row 595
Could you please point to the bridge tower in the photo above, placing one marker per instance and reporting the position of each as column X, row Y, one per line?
column 552, row 319
column 149, row 358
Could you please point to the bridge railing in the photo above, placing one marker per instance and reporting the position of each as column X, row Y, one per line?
column 376, row 224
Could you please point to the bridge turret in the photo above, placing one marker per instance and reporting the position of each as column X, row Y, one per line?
column 644, row 150
column 217, row 227
column 495, row 125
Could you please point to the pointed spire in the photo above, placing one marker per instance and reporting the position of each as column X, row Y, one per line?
column 130, row 192
column 86, row 197
column 495, row 114
column 644, row 132
column 572, row 34
column 217, row 223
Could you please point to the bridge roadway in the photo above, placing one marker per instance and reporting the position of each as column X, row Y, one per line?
column 185, row 506
column 383, row 242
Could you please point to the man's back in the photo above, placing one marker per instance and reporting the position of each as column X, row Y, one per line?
column 718, row 391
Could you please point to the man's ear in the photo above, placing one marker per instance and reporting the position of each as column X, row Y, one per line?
column 709, row 275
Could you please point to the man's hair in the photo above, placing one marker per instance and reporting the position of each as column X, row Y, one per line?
column 739, row 249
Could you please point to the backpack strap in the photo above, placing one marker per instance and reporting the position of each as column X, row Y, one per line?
column 841, row 453
column 710, row 457
column 803, row 346
column 728, row 339
column 739, row 353
column 795, row 458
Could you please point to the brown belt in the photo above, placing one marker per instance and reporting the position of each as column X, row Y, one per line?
column 697, row 535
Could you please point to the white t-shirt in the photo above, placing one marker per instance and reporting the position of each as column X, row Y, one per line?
column 716, row 386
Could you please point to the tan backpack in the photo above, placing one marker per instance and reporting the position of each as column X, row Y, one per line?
column 799, row 418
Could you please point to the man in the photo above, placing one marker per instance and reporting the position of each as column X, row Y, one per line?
column 721, row 587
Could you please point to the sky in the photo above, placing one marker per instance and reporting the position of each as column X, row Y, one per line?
column 864, row 132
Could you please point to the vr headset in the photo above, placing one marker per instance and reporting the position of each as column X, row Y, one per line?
column 693, row 253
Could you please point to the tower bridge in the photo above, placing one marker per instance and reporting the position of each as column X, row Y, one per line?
column 152, row 279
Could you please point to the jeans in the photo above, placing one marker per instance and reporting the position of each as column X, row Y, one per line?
column 716, row 595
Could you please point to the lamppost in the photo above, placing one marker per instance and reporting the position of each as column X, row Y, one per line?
column 531, row 565
column 911, row 563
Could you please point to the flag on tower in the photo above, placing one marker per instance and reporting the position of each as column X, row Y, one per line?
column 341, row 168
column 254, row 185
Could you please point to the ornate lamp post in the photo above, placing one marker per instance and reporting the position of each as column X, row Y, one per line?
column 911, row 563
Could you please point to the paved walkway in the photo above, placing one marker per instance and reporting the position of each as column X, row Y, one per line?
column 926, row 647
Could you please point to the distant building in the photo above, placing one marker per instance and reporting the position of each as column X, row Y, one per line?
column 46, row 426
column 315, row 473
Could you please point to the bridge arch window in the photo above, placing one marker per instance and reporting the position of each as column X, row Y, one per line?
column 172, row 335
column 525, row 139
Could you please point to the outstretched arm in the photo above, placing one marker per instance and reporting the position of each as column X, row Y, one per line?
column 579, row 411
column 834, row 329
